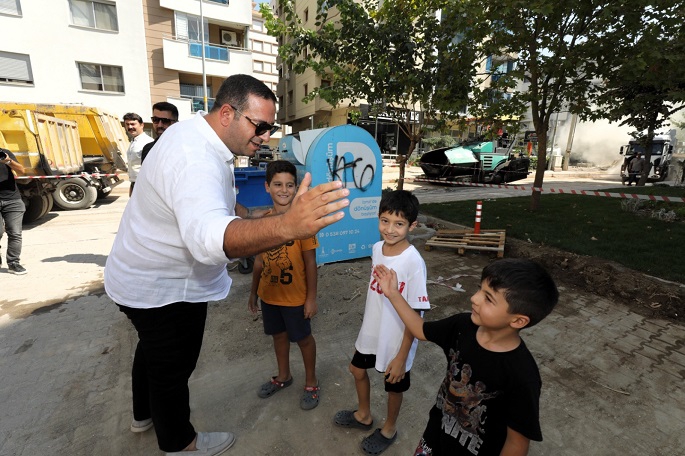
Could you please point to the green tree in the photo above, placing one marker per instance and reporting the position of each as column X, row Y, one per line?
column 556, row 46
column 388, row 54
column 644, row 86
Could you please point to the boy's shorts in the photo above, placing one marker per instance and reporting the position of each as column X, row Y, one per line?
column 278, row 319
column 362, row 361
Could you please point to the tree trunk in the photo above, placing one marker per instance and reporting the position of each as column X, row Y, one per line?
column 539, row 169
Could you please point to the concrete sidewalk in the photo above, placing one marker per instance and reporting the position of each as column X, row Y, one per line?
column 612, row 380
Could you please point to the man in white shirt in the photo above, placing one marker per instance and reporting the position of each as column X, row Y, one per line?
column 134, row 126
column 175, row 238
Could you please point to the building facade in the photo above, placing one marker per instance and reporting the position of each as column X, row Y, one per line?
column 125, row 55
column 74, row 51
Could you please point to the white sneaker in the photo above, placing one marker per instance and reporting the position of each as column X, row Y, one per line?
column 141, row 426
column 209, row 444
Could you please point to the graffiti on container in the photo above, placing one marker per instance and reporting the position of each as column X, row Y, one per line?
column 354, row 164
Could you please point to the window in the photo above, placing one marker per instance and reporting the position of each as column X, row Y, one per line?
column 306, row 90
column 290, row 96
column 258, row 26
column 258, row 66
column 195, row 93
column 103, row 78
column 11, row 7
column 188, row 27
column 325, row 83
column 306, row 14
column 257, row 46
column 223, row 2
column 97, row 15
column 15, row 68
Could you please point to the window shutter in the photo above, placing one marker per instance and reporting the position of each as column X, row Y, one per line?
column 15, row 66
column 10, row 7
column 181, row 26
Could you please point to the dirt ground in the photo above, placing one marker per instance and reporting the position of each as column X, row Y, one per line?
column 643, row 294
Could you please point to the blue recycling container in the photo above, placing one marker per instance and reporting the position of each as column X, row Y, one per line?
column 249, row 183
column 349, row 154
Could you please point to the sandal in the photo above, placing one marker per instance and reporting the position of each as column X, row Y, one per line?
column 310, row 397
column 377, row 443
column 268, row 389
column 346, row 418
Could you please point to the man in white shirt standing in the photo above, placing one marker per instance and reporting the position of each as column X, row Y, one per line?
column 175, row 238
column 134, row 126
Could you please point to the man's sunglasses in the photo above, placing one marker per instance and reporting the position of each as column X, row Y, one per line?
column 164, row 120
column 261, row 127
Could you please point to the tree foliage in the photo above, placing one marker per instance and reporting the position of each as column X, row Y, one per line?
column 556, row 46
column 644, row 86
column 389, row 55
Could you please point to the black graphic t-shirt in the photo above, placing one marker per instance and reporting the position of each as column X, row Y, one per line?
column 483, row 393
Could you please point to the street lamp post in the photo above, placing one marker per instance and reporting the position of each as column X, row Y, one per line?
column 204, row 73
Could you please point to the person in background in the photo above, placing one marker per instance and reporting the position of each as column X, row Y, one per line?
column 178, row 232
column 635, row 168
column 11, row 209
column 134, row 126
column 164, row 115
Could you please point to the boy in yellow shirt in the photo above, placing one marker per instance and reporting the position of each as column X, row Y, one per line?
column 284, row 278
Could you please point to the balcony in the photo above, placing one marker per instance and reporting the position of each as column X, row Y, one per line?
column 221, row 61
column 240, row 12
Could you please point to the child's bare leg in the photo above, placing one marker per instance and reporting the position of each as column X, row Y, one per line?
column 308, row 349
column 363, row 386
column 282, row 349
column 394, row 405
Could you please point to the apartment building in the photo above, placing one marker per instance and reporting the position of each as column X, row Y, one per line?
column 74, row 51
column 125, row 55
column 235, row 42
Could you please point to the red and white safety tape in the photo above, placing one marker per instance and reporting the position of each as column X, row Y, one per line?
column 67, row 176
column 669, row 199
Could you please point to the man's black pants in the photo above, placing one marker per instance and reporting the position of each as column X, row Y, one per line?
column 170, row 339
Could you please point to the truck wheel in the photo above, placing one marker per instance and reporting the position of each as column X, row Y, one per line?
column 48, row 201
column 34, row 209
column 74, row 193
column 497, row 179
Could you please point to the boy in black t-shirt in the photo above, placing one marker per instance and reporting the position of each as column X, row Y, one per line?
column 488, row 403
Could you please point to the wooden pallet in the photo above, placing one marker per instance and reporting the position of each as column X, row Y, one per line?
column 462, row 240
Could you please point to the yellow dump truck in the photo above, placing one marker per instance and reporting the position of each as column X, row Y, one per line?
column 71, row 154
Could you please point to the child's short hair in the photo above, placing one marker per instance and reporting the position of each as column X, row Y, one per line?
column 526, row 285
column 400, row 202
column 280, row 166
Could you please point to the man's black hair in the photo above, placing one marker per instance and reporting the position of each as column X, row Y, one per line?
column 280, row 166
column 166, row 106
column 236, row 89
column 528, row 288
column 133, row 116
column 400, row 202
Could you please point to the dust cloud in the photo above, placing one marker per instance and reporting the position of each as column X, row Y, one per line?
column 597, row 142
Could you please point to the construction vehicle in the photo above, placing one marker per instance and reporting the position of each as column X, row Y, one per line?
column 663, row 146
column 71, row 154
column 492, row 162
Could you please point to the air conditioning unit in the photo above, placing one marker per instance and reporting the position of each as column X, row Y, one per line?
column 229, row 38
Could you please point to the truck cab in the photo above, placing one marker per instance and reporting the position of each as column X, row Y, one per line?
column 660, row 160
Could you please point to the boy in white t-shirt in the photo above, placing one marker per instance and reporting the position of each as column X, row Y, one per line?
column 383, row 341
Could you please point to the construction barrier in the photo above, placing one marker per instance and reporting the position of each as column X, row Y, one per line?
column 68, row 176
column 668, row 199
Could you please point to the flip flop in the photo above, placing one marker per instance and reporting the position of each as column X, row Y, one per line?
column 345, row 418
column 268, row 389
column 377, row 443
